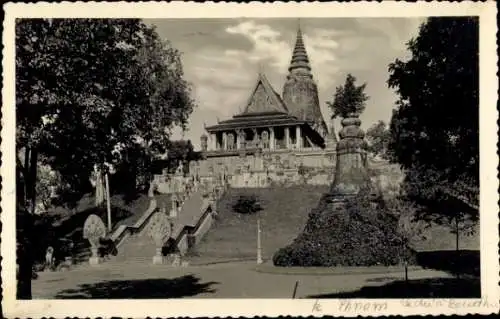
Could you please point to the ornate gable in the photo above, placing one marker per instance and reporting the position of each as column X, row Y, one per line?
column 264, row 99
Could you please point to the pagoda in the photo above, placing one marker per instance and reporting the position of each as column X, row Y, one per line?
column 270, row 122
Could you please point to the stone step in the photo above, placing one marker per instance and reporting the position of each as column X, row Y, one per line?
column 140, row 246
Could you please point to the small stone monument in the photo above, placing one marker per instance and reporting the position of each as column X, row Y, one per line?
column 174, row 209
column 151, row 191
column 180, row 169
column 159, row 231
column 176, row 262
column 204, row 142
column 351, row 174
column 93, row 230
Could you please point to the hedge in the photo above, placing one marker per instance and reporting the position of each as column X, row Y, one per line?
column 360, row 233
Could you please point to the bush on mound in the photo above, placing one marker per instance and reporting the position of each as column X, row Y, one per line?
column 359, row 233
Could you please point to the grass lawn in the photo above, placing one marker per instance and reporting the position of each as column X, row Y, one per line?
column 285, row 212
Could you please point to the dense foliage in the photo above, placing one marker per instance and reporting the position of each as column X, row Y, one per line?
column 360, row 233
column 378, row 137
column 348, row 98
column 435, row 128
column 89, row 90
column 247, row 205
column 103, row 92
column 179, row 152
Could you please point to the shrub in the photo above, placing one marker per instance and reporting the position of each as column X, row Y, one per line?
column 247, row 205
column 358, row 233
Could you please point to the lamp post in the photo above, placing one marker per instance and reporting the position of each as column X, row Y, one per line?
column 259, row 243
column 108, row 202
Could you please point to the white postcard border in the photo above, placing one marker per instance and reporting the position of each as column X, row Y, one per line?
column 489, row 238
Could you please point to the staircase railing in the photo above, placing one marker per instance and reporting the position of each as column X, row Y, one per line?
column 124, row 231
column 184, row 240
column 181, row 239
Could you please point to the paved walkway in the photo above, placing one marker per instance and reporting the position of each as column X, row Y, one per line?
column 229, row 280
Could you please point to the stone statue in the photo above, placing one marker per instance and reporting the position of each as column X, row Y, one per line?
column 242, row 138
column 97, row 181
column 94, row 230
column 265, row 139
column 204, row 143
column 230, row 141
column 180, row 169
column 293, row 161
column 174, row 209
column 159, row 231
column 255, row 141
column 151, row 191
column 224, row 140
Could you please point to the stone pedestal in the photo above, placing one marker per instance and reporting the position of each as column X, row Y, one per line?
column 158, row 257
column 176, row 260
column 351, row 174
column 95, row 260
column 93, row 231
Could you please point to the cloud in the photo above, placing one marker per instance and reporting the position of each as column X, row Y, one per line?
column 274, row 48
column 222, row 58
column 322, row 48
column 268, row 44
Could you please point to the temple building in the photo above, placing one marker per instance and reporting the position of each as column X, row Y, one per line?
column 287, row 127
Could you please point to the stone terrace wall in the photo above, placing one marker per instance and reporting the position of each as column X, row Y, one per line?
column 265, row 169
column 278, row 168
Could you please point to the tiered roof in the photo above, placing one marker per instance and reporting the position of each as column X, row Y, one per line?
column 264, row 108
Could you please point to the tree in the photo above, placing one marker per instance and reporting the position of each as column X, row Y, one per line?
column 179, row 152
column 434, row 131
column 348, row 98
column 378, row 138
column 409, row 227
column 436, row 123
column 87, row 92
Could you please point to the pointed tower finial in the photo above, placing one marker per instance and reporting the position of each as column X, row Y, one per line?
column 300, row 91
column 300, row 60
column 261, row 68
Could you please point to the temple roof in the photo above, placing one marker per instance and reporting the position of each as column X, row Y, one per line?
column 264, row 98
column 256, row 119
column 263, row 108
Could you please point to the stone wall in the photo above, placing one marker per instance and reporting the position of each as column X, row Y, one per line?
column 278, row 168
column 263, row 169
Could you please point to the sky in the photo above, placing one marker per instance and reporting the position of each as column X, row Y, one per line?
column 222, row 57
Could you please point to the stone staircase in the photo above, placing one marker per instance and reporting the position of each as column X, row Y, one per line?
column 139, row 248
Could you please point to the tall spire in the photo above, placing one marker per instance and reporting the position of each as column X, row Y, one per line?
column 300, row 92
column 300, row 60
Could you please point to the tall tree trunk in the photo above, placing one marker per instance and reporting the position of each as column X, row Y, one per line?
column 24, row 253
column 33, row 178
column 24, row 232
column 457, row 248
column 26, row 175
